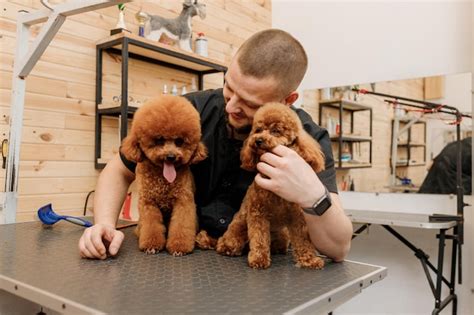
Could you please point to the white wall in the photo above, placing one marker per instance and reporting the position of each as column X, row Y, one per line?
column 372, row 41
column 457, row 93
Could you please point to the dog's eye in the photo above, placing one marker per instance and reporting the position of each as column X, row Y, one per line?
column 258, row 130
column 179, row 142
column 275, row 132
column 160, row 141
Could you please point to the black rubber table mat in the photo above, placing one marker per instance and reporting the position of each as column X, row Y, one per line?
column 135, row 283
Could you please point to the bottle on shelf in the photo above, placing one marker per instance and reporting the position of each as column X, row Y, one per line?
column 201, row 45
column 193, row 85
column 174, row 90
column 184, row 90
column 329, row 125
column 165, row 89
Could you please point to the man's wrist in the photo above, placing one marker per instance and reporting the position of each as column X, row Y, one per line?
column 316, row 194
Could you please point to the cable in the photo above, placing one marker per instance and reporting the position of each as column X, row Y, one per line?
column 87, row 199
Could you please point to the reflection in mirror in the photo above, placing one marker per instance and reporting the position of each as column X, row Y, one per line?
column 379, row 146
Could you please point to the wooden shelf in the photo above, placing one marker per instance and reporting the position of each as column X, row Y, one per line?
column 410, row 164
column 130, row 46
column 161, row 52
column 403, row 188
column 116, row 110
column 348, row 105
column 411, row 144
column 348, row 165
column 350, row 138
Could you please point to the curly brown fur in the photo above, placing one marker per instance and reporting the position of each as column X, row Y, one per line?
column 205, row 241
column 164, row 141
column 265, row 220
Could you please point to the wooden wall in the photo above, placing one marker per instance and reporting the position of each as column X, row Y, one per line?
column 377, row 178
column 57, row 151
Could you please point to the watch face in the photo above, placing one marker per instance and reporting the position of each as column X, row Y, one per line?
column 323, row 206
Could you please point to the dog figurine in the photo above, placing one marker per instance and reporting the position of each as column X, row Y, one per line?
column 178, row 28
column 264, row 220
column 164, row 141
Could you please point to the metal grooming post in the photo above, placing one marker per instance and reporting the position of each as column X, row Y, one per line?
column 25, row 60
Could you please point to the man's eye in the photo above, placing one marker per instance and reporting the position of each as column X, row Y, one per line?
column 179, row 142
column 160, row 141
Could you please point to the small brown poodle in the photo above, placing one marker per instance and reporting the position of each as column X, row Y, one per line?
column 164, row 141
column 266, row 221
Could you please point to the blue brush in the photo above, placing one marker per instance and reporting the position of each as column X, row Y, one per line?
column 49, row 217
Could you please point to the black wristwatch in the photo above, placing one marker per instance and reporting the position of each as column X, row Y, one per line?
column 321, row 205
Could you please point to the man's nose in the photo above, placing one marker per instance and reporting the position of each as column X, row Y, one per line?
column 232, row 105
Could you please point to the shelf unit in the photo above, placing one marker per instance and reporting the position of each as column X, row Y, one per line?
column 409, row 144
column 342, row 138
column 128, row 45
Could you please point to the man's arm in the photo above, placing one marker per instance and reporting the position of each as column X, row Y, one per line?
column 110, row 192
column 291, row 178
column 331, row 233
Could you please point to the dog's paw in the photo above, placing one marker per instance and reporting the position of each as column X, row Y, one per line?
column 310, row 261
column 228, row 247
column 204, row 241
column 151, row 245
column 179, row 248
column 151, row 251
column 259, row 260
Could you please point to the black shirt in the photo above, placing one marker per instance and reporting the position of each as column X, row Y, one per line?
column 220, row 182
column 442, row 177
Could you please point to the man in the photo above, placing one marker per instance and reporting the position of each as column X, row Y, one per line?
column 442, row 175
column 267, row 68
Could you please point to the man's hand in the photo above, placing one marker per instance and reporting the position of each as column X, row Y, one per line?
column 91, row 244
column 289, row 176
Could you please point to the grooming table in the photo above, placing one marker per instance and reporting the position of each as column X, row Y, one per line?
column 43, row 265
column 389, row 216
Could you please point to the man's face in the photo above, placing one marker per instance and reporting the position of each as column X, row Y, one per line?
column 244, row 95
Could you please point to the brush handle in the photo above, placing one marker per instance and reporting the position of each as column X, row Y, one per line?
column 77, row 221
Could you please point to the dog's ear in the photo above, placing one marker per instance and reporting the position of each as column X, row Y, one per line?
column 310, row 151
column 248, row 158
column 199, row 154
column 131, row 148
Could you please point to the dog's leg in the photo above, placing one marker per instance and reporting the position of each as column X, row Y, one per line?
column 155, row 35
column 183, row 227
column 259, row 240
column 304, row 252
column 234, row 239
column 280, row 241
column 185, row 44
column 150, row 229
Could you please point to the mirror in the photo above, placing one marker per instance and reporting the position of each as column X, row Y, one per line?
column 362, row 128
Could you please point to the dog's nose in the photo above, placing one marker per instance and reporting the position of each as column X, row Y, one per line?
column 259, row 141
column 170, row 157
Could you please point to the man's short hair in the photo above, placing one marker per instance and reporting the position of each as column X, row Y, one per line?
column 274, row 53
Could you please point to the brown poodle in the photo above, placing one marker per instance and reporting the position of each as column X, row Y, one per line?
column 164, row 141
column 265, row 220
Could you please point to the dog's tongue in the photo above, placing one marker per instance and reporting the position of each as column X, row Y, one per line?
column 169, row 172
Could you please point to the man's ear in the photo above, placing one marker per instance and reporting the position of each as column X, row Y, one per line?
column 199, row 154
column 131, row 148
column 248, row 158
column 310, row 151
column 291, row 98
